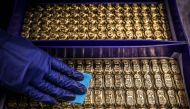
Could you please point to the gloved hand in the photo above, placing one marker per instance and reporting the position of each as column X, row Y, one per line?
column 26, row 69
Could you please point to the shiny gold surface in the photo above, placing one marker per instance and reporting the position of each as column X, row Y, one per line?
column 96, row 21
column 126, row 83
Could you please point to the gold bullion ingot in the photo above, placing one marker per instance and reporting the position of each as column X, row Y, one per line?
column 110, row 7
column 136, row 66
column 92, row 28
column 151, row 98
column 165, row 66
column 148, row 83
column 117, row 68
column 158, row 81
column 145, row 66
column 99, row 80
column 102, row 15
column 148, row 26
column 138, row 80
column 129, row 83
column 119, row 83
column 120, row 97
column 118, row 7
column 136, row 14
column 121, row 35
column 140, row 96
column 130, row 98
column 109, row 82
column 156, row 21
column 128, row 14
column 89, row 100
column 102, row 35
column 111, row 34
column 108, row 66
column 128, row 26
column 79, row 66
column 155, row 15
column 73, row 35
column 138, row 26
column 169, row 81
column 174, row 66
column 111, row 21
column 120, row 21
column 92, row 35
column 93, row 7
column 183, row 98
column 162, row 97
column 155, row 66
column 119, row 14
column 99, row 97
column 119, row 27
column 147, row 21
column 173, row 98
column 93, row 21
column 135, row 7
column 82, row 35
column 153, row 8
column 110, row 15
column 89, row 66
column 128, row 20
column 144, row 7
column 98, row 67
column 101, row 7
column 84, row 7
column 102, row 28
column 109, row 97
column 127, row 66
column 127, row 7
column 149, row 35
column 130, row 34
column 156, row 26
column 139, row 34
column 111, row 27
column 178, row 81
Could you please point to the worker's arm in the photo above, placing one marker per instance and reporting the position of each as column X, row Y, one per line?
column 26, row 69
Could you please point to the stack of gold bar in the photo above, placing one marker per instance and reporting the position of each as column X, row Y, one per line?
column 136, row 83
column 97, row 21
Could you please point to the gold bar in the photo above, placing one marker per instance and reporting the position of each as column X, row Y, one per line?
column 151, row 98
column 99, row 97
column 109, row 81
column 109, row 97
column 129, row 82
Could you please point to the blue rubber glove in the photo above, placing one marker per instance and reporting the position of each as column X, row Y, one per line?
column 26, row 69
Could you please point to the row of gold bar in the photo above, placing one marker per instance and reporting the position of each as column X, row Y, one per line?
column 97, row 21
column 149, row 83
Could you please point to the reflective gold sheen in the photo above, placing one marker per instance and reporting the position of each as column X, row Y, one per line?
column 96, row 21
column 125, row 83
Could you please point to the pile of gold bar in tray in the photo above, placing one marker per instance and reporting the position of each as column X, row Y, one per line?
column 148, row 83
column 97, row 21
